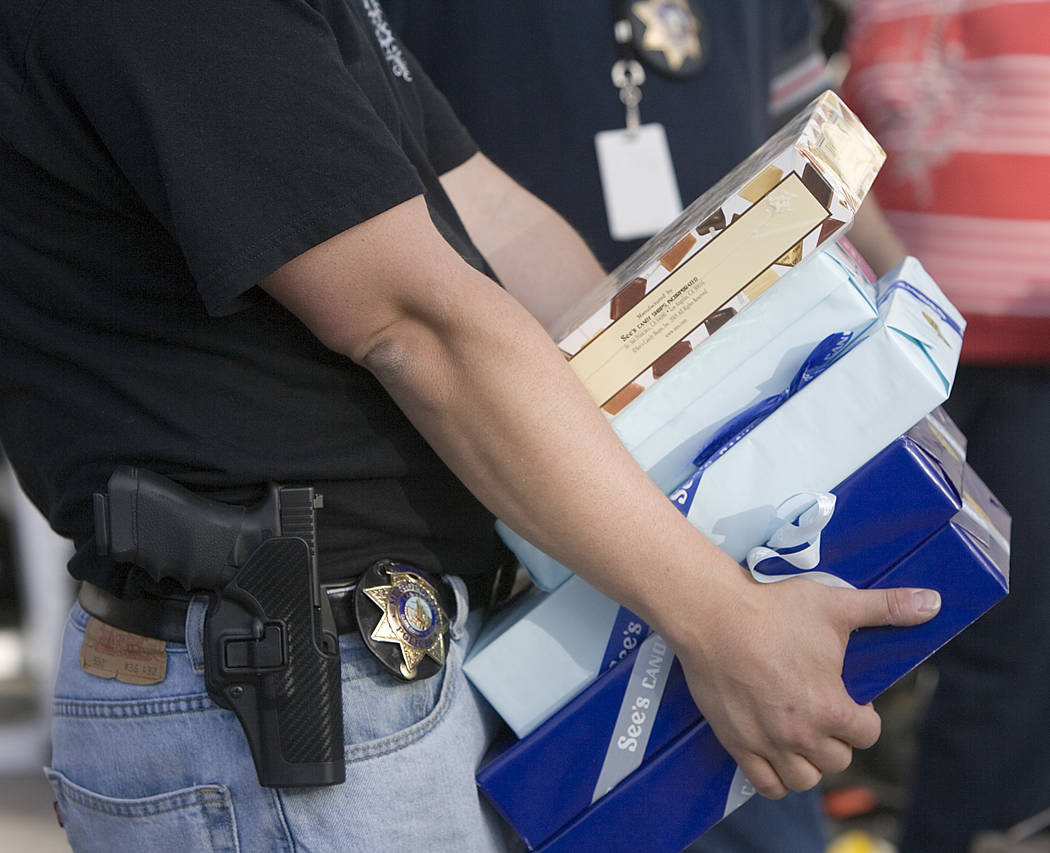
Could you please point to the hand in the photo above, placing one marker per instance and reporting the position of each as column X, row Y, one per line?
column 768, row 676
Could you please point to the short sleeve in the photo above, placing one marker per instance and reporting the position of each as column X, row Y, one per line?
column 449, row 143
column 251, row 129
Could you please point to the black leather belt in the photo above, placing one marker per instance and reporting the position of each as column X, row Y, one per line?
column 165, row 618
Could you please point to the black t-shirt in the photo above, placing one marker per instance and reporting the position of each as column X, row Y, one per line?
column 158, row 159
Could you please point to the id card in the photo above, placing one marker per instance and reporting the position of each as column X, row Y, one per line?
column 638, row 180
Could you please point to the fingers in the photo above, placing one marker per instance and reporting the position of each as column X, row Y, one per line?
column 900, row 606
column 796, row 772
column 763, row 778
column 834, row 756
column 860, row 728
column 801, row 766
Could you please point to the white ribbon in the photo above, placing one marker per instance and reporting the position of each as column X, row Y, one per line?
column 740, row 791
column 797, row 540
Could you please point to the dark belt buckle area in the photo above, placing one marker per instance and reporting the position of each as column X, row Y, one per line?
column 402, row 619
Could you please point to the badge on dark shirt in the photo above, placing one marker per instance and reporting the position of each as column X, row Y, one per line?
column 667, row 36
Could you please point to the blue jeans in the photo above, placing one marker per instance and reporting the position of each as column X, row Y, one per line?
column 162, row 768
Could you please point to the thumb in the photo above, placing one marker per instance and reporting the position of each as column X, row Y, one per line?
column 900, row 606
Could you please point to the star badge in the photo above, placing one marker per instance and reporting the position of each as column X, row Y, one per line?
column 408, row 633
column 669, row 36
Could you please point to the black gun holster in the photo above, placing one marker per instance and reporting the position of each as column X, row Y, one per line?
column 271, row 650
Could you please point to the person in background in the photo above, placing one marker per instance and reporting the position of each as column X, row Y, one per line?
column 958, row 93
column 536, row 81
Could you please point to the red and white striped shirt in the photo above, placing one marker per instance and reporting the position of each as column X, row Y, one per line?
column 958, row 93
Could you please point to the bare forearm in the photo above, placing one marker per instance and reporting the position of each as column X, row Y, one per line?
column 489, row 390
column 875, row 238
column 495, row 398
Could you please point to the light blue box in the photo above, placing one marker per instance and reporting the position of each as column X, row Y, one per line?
column 888, row 376
column 542, row 649
column 753, row 355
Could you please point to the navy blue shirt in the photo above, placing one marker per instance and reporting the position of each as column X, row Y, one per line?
column 531, row 81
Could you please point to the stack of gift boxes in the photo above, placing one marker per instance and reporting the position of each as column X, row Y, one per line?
column 777, row 394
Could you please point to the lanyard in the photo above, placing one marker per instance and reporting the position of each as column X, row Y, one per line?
column 669, row 37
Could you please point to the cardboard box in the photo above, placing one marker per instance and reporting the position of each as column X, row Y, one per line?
column 798, row 191
column 677, row 781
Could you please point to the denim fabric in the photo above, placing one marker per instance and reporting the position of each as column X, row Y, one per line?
column 162, row 768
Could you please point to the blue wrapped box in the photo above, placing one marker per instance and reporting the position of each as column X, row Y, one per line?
column 891, row 504
column 688, row 787
column 636, row 730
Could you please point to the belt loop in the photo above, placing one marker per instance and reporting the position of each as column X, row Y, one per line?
column 459, row 589
column 195, row 630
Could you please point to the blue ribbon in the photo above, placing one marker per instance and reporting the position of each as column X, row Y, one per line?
column 826, row 353
column 918, row 295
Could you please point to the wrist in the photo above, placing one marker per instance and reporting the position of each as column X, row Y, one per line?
column 692, row 607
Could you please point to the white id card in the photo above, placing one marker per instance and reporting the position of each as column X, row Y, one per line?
column 638, row 180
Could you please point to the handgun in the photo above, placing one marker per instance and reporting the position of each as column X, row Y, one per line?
column 271, row 649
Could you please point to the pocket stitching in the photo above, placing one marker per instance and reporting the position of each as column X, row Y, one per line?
column 207, row 794
column 391, row 743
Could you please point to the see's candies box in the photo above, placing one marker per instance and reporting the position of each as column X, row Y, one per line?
column 541, row 650
column 798, row 191
column 631, row 752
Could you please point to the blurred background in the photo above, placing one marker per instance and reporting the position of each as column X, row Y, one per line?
column 35, row 594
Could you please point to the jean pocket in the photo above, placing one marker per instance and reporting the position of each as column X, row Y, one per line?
column 193, row 819
column 382, row 713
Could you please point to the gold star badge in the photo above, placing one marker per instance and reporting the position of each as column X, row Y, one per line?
column 412, row 618
column 671, row 28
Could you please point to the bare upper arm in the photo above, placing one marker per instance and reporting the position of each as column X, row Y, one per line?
column 536, row 254
column 351, row 288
